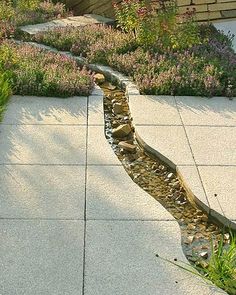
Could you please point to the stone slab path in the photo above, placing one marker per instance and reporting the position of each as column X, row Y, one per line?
column 71, row 220
column 75, row 21
column 199, row 136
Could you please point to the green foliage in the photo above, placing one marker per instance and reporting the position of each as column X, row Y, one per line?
column 7, row 11
column 25, row 5
column 222, row 266
column 161, row 28
column 5, row 91
column 127, row 14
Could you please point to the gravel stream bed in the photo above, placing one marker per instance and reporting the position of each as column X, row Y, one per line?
column 157, row 179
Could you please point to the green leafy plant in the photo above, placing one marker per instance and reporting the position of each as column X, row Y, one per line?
column 5, row 91
column 25, row 5
column 127, row 14
column 160, row 27
column 222, row 265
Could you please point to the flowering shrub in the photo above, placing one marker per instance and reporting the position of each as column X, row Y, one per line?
column 37, row 72
column 161, row 27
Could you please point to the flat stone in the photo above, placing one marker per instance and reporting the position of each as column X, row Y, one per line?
column 213, row 145
column 220, row 186
column 159, row 110
column 29, row 191
column 46, row 110
column 99, row 150
column 127, row 146
column 215, row 111
column 192, row 182
column 121, row 259
column 41, row 257
column 111, row 194
column 121, row 131
column 169, row 141
column 95, row 110
column 42, row 144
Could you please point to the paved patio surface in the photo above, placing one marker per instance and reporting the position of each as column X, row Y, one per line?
column 199, row 136
column 71, row 220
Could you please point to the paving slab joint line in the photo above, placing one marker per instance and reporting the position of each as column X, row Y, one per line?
column 131, row 89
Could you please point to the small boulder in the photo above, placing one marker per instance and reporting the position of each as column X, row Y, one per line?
column 99, row 78
column 121, row 131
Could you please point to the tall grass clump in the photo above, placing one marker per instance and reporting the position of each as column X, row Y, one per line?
column 222, row 266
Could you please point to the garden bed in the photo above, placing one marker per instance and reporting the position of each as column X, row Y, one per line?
column 206, row 69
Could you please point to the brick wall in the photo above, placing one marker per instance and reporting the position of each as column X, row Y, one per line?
column 210, row 9
column 205, row 9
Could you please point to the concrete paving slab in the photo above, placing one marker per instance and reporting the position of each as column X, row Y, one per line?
column 191, row 180
column 170, row 141
column 220, row 186
column 42, row 144
column 41, row 257
column 28, row 191
column 161, row 110
column 215, row 111
column 46, row 110
column 99, row 150
column 95, row 110
column 213, row 145
column 120, row 259
column 111, row 194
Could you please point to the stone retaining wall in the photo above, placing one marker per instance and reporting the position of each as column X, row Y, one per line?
column 206, row 9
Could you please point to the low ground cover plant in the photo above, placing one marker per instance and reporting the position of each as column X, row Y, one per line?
column 14, row 13
column 207, row 68
column 32, row 71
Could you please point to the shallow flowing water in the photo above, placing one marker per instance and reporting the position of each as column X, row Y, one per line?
column 157, row 179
